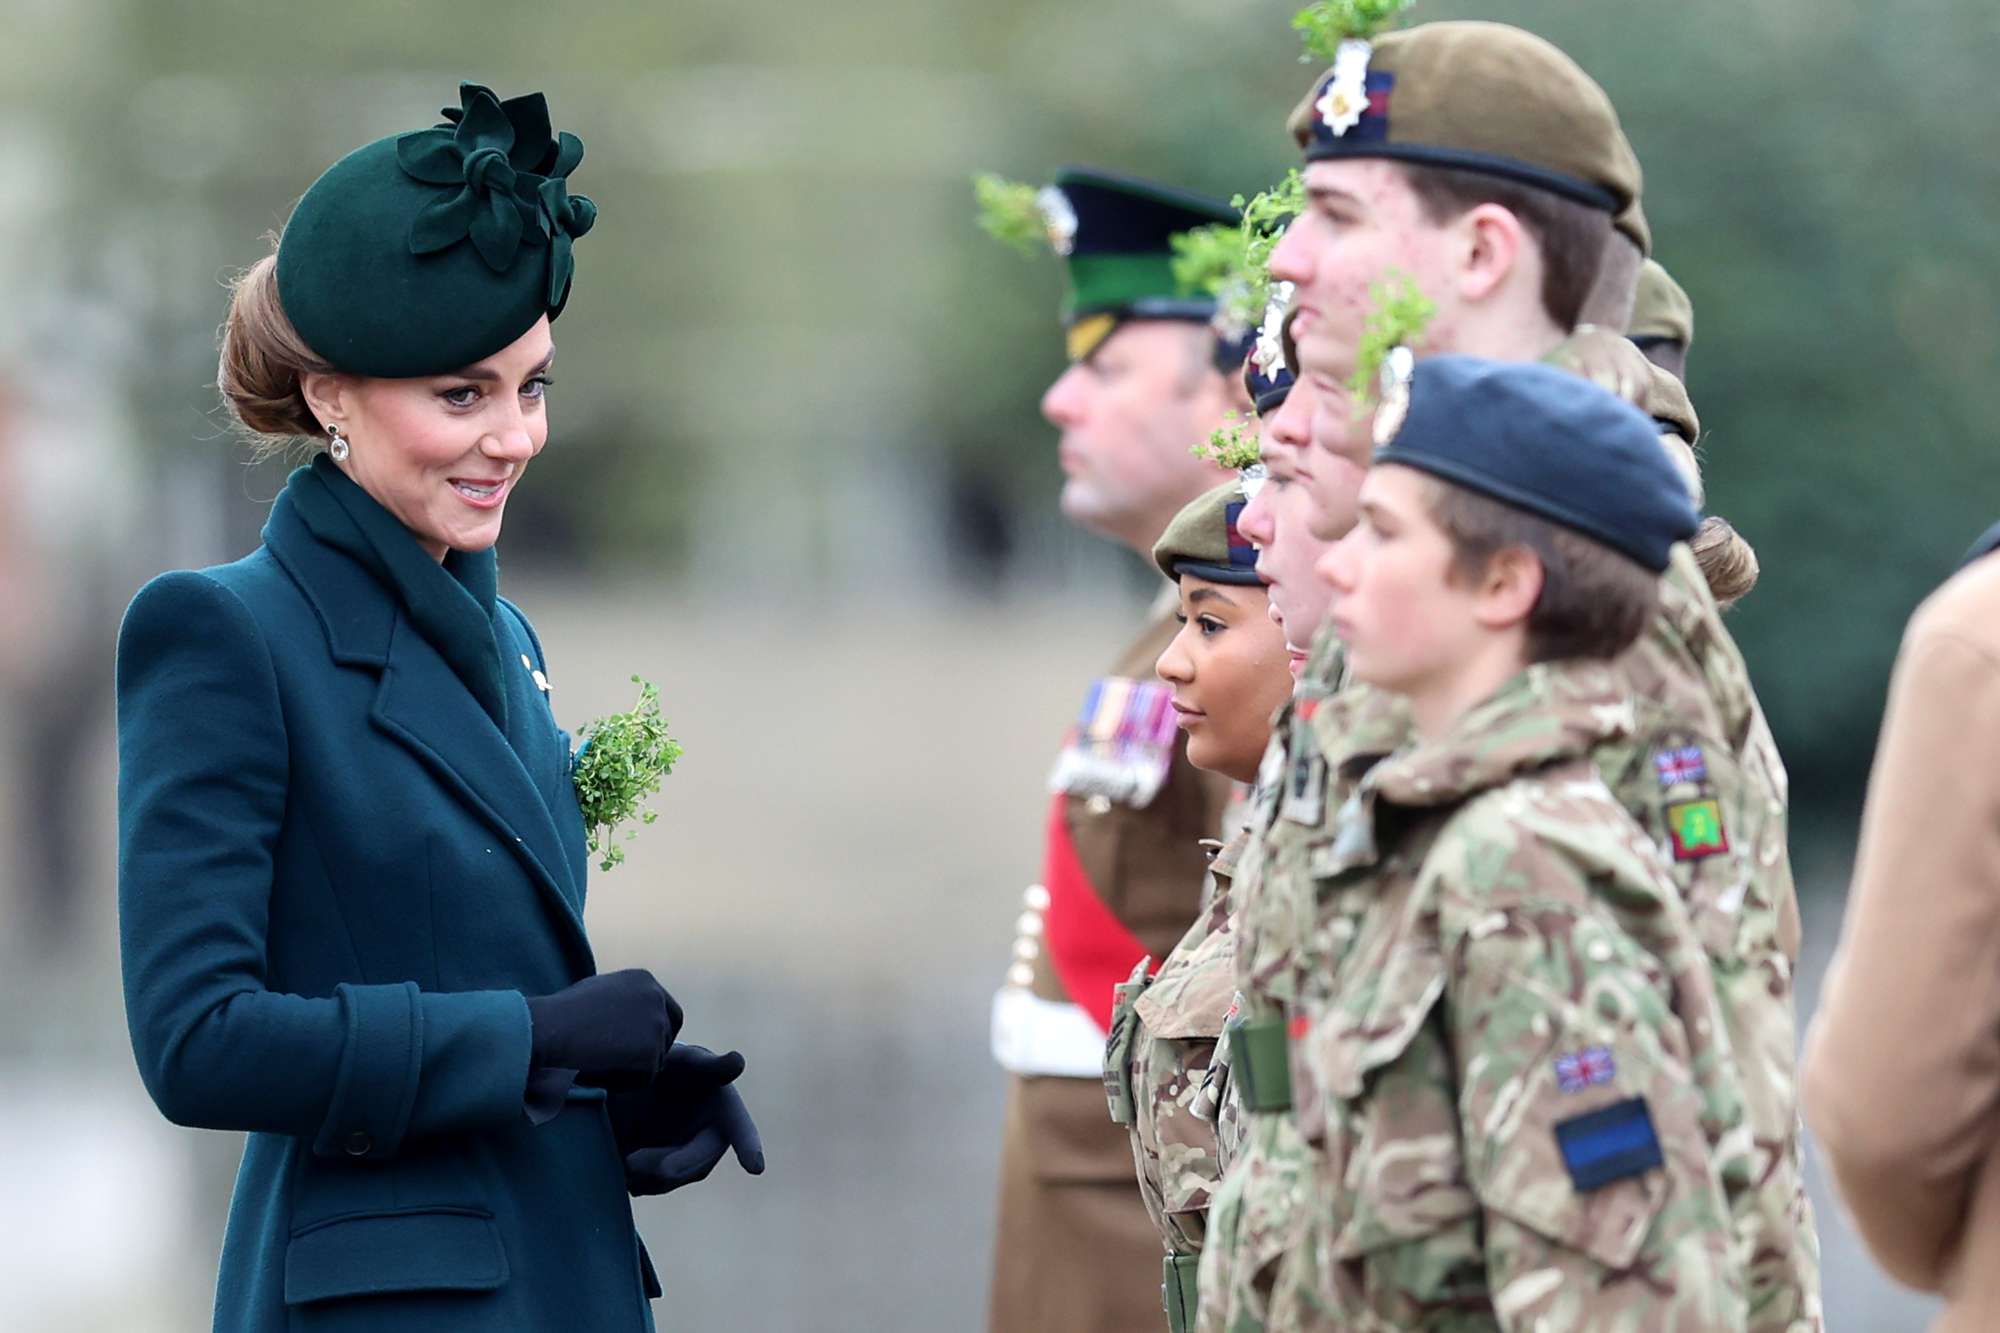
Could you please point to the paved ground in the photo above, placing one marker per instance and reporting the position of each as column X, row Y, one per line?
column 831, row 888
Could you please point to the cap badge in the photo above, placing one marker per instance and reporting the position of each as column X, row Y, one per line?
column 1269, row 353
column 1346, row 97
column 1398, row 367
column 1059, row 217
column 1252, row 480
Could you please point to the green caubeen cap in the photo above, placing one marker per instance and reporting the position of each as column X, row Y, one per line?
column 1203, row 540
column 1662, row 312
column 1482, row 97
column 1116, row 235
column 422, row 253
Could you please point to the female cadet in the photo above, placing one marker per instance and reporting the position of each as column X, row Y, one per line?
column 352, row 862
column 1230, row 673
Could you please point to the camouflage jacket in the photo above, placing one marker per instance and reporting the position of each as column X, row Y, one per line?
column 1508, row 1062
column 1701, row 775
column 1698, row 736
column 1163, row 1035
column 1254, row 1211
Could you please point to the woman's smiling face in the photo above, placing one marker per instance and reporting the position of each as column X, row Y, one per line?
column 1229, row 671
column 443, row 452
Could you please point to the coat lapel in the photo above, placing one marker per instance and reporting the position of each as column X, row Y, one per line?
column 423, row 706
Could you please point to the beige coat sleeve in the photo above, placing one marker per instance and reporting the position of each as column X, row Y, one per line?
column 1902, row 1071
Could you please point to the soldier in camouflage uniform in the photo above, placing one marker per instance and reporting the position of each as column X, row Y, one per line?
column 1509, row 1061
column 1166, row 1023
column 1700, row 771
column 1662, row 323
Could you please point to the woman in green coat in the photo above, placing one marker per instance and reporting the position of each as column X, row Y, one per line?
column 351, row 859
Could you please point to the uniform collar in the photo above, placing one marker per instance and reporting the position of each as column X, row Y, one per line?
column 1550, row 712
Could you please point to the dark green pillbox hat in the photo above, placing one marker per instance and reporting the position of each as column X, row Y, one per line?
column 425, row 252
column 1116, row 233
column 1203, row 540
column 1548, row 442
column 1484, row 97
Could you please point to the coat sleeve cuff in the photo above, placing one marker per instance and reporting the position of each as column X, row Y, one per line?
column 548, row 1091
column 423, row 1064
column 381, row 1061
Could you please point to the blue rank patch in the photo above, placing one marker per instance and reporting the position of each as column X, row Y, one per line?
column 1605, row 1146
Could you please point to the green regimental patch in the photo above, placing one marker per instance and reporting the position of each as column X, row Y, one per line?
column 1696, row 829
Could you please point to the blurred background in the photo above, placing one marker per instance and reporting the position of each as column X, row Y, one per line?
column 797, row 477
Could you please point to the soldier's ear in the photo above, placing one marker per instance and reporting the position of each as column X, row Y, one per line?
column 1507, row 591
column 1493, row 243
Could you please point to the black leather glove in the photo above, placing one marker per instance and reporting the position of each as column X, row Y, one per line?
column 674, row 1132
column 614, row 1030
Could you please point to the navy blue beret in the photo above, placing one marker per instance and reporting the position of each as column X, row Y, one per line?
column 1268, row 392
column 1545, row 441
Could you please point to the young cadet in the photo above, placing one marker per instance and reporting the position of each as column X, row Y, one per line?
column 1230, row 673
column 1442, row 193
column 1300, row 482
column 1526, row 1095
column 1662, row 329
column 1662, row 323
column 1123, row 861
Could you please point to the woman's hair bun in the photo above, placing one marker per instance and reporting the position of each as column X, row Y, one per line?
column 262, row 359
column 1728, row 562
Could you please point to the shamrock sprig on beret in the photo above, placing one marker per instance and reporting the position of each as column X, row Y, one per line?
column 1017, row 215
column 1233, row 263
column 1329, row 24
column 1232, row 445
column 1397, row 317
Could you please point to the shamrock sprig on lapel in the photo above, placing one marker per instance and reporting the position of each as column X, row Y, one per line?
column 621, row 762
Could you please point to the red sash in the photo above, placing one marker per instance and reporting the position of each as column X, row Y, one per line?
column 1088, row 946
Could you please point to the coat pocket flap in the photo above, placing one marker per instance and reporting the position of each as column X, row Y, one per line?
column 1375, row 1024
column 371, row 1254
column 1191, row 996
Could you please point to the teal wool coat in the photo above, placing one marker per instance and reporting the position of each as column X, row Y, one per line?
column 337, row 881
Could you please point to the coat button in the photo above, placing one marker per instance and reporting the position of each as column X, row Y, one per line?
column 358, row 1144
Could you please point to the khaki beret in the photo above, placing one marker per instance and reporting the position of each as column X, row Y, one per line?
column 1616, row 365
column 1482, row 97
column 1203, row 540
column 1662, row 312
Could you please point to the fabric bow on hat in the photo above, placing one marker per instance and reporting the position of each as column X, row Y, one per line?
column 512, row 167
column 564, row 217
column 475, row 156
